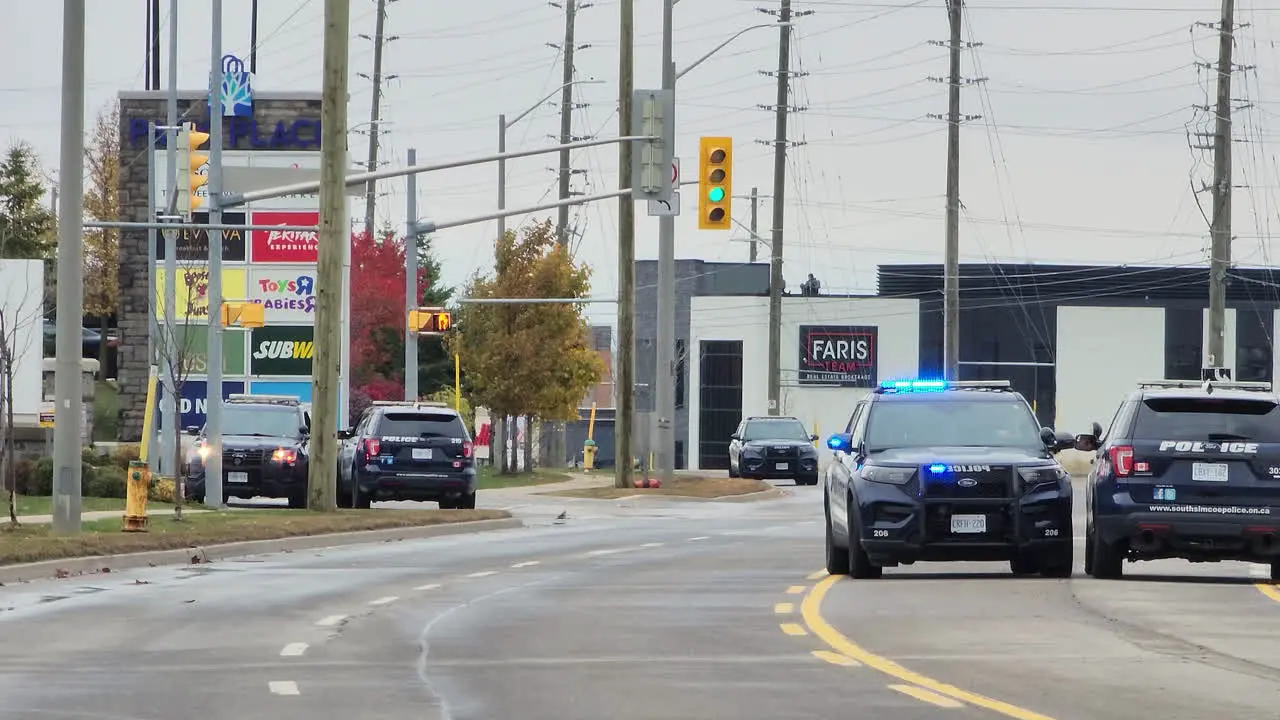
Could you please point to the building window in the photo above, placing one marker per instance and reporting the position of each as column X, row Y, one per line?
column 1253, row 344
column 681, row 369
column 720, row 400
column 1183, row 336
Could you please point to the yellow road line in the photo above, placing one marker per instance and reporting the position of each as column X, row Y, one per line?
column 784, row 608
column 793, row 629
column 796, row 590
column 1270, row 591
column 811, row 611
column 927, row 696
column 836, row 658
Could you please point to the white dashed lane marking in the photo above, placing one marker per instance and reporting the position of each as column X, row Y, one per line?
column 332, row 620
column 700, row 537
column 651, row 545
column 526, row 563
column 482, row 573
column 385, row 600
column 429, row 586
column 294, row 650
column 283, row 687
column 611, row 551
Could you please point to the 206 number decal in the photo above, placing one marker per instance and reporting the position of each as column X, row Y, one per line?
column 879, row 533
column 1051, row 532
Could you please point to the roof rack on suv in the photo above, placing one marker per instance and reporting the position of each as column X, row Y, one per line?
column 410, row 403
column 899, row 386
column 1206, row 384
column 263, row 399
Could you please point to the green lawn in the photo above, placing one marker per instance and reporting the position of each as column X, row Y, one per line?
column 491, row 480
column 44, row 505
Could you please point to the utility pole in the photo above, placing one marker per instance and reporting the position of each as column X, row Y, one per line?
column 951, row 272
column 375, row 117
column 665, row 367
column 170, row 403
column 153, row 43
column 781, row 110
column 213, row 417
column 626, row 380
column 566, row 119
column 1220, row 259
column 411, row 279
column 755, row 208
column 333, row 236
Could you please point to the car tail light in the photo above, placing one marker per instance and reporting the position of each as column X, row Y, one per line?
column 1122, row 460
column 372, row 446
column 466, row 449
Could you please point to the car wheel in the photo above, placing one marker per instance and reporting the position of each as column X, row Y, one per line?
column 733, row 471
column 446, row 503
column 1108, row 563
column 1088, row 552
column 837, row 557
column 860, row 565
column 298, row 500
column 465, row 502
column 1060, row 564
column 1022, row 565
column 1275, row 569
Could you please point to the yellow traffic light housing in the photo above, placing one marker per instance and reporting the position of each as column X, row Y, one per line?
column 191, row 161
column 430, row 321
column 243, row 314
column 715, row 183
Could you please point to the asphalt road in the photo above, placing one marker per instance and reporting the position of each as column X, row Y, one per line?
column 635, row 610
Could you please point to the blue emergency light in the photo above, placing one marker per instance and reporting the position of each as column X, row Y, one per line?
column 914, row 385
column 937, row 468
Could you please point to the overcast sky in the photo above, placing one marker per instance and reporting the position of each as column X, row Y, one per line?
column 1081, row 155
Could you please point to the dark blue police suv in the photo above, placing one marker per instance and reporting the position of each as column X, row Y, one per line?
column 1186, row 470
column 947, row 471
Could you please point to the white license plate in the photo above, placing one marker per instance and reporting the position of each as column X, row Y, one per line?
column 1209, row 472
column 968, row 523
column 422, row 453
column 237, row 477
column 782, row 466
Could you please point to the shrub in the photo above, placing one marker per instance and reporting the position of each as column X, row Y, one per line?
column 27, row 475
column 124, row 454
column 161, row 490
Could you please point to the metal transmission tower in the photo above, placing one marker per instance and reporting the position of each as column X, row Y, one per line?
column 781, row 109
column 564, row 171
column 951, row 271
column 1220, row 257
column 379, row 39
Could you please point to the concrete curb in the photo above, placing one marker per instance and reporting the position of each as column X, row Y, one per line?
column 746, row 497
column 71, row 567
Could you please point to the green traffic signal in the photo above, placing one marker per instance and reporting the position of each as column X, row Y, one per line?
column 715, row 194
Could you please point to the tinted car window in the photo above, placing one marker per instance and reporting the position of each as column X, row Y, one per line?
column 267, row 421
column 954, row 423
column 775, row 430
column 416, row 424
column 1199, row 418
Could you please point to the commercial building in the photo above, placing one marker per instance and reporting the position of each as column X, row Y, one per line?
column 1072, row 339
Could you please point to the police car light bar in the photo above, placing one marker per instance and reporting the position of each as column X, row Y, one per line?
column 1223, row 384
column 265, row 399
column 940, row 385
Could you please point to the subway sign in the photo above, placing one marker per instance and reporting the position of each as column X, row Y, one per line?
column 282, row 350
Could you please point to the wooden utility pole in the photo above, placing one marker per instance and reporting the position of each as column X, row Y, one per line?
column 626, row 380
column 755, row 207
column 951, row 271
column 566, row 120
column 334, row 235
column 781, row 111
column 1220, row 259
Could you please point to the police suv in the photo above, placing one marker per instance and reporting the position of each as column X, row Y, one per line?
column 1186, row 470
column 265, row 447
column 947, row 471
column 407, row 451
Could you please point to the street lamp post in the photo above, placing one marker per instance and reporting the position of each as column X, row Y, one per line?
column 503, row 125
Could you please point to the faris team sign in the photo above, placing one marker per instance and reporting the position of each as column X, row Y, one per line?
column 842, row 355
column 285, row 246
column 288, row 293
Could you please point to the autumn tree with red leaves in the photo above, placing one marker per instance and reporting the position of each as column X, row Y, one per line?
column 378, row 316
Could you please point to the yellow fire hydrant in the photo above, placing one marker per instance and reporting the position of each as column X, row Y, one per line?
column 589, row 454
column 137, row 486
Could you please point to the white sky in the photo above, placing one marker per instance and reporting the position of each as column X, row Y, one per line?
column 1082, row 154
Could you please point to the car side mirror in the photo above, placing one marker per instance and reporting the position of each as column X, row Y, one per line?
column 346, row 434
column 1097, row 430
column 304, row 430
column 735, row 436
column 1086, row 443
column 1063, row 440
column 1047, row 436
column 813, row 438
column 192, row 430
column 840, row 442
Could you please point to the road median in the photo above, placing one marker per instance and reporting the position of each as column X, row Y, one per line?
column 682, row 488
column 30, row 552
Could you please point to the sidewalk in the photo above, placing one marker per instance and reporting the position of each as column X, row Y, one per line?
column 97, row 515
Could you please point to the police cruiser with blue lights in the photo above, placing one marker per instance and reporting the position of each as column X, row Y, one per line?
column 931, row 470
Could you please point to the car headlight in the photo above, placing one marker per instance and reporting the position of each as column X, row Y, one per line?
column 888, row 475
column 1041, row 475
column 286, row 456
column 203, row 452
column 752, row 451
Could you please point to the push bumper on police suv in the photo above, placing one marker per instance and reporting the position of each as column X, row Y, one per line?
column 965, row 513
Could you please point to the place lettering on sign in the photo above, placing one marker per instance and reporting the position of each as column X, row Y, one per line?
column 284, row 350
column 298, row 293
column 843, row 356
column 285, row 246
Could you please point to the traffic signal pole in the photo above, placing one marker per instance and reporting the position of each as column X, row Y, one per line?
column 664, row 380
column 213, row 464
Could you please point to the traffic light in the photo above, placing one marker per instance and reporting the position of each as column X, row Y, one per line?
column 715, row 183
column 190, row 163
column 430, row 321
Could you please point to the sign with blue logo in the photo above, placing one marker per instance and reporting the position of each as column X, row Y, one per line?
column 298, row 389
column 237, row 88
column 194, row 404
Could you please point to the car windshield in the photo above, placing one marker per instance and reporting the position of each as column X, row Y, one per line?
column 417, row 424
column 1207, row 419
column 952, row 424
column 775, row 430
column 261, row 420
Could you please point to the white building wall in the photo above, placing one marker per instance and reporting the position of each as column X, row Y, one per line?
column 823, row 409
column 22, row 304
column 1102, row 353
